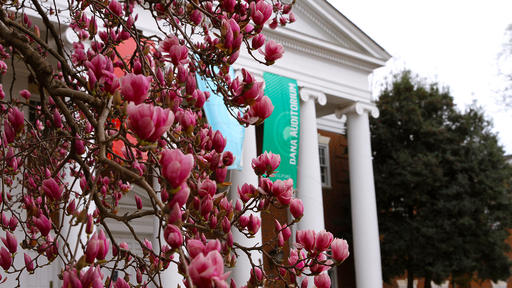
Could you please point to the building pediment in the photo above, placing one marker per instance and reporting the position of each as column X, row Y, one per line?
column 322, row 24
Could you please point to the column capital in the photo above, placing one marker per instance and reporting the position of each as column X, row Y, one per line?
column 307, row 94
column 358, row 108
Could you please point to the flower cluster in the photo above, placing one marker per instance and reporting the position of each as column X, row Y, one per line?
column 116, row 119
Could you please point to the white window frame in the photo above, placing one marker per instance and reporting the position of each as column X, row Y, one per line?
column 323, row 144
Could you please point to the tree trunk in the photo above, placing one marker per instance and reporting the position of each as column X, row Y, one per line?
column 428, row 283
column 410, row 279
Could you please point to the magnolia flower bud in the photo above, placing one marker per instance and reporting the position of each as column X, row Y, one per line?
column 323, row 240
column 10, row 242
column 339, row 249
column 273, row 51
column 51, row 189
column 176, row 166
column 322, row 281
column 43, row 224
column 173, row 236
column 5, row 259
column 29, row 264
column 296, row 208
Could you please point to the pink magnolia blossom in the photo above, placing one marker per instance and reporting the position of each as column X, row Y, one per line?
column 181, row 197
column 138, row 202
column 25, row 94
column 176, row 166
column 246, row 192
column 208, row 271
column 51, row 189
column 232, row 38
column 89, row 225
column 258, row 41
column 254, row 224
column 199, row 97
column 220, row 174
column 273, row 51
column 287, row 233
column 322, row 281
column 92, row 277
column 175, row 214
column 196, row 17
column 43, row 224
column 323, row 240
column 175, row 51
column 261, row 12
column 218, row 142
column 207, row 187
column 79, row 146
column 206, row 206
column 227, row 158
column 243, row 221
column 195, row 247
column 116, row 8
column 29, row 264
column 92, row 249
column 296, row 208
column 70, row 279
column 266, row 163
column 97, row 247
column 304, row 283
column 283, row 191
column 5, row 259
column 187, row 119
column 273, row 24
column 173, row 236
column 3, row 67
column 148, row 122
column 16, row 119
column 296, row 259
column 228, row 5
column 339, row 249
column 120, row 283
column 226, row 224
column 306, row 239
column 256, row 274
column 57, row 119
column 104, row 245
column 101, row 72
column 261, row 109
column 10, row 242
column 320, row 264
column 135, row 88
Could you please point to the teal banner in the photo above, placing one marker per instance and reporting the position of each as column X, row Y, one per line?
column 220, row 119
column 281, row 129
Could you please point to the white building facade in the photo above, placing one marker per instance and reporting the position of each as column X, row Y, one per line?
column 331, row 59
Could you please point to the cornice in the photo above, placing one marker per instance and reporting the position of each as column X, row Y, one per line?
column 326, row 26
column 328, row 51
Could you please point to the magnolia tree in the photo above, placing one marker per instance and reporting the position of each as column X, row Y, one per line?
column 105, row 122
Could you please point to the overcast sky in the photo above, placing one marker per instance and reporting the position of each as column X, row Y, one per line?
column 454, row 42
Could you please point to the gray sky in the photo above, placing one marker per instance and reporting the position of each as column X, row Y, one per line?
column 453, row 42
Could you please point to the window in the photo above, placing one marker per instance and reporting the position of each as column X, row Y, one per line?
column 323, row 154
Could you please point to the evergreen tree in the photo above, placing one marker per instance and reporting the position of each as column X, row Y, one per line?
column 442, row 185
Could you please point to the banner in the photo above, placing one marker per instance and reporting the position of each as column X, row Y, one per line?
column 219, row 118
column 281, row 129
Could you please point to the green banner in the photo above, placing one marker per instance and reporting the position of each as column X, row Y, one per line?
column 281, row 129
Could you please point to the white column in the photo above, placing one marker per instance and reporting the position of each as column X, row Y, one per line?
column 309, row 183
column 241, row 272
column 365, row 228
column 170, row 277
